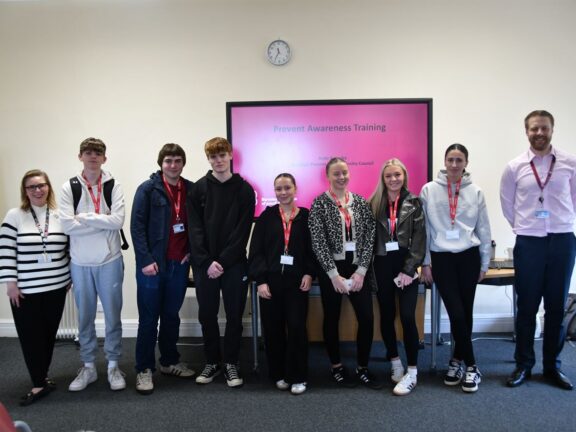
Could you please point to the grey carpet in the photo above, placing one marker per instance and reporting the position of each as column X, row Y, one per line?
column 181, row 405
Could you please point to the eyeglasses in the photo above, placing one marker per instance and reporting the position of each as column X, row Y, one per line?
column 38, row 186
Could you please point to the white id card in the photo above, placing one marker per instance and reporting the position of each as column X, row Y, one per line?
column 350, row 246
column 542, row 214
column 178, row 228
column 286, row 260
column 44, row 259
column 452, row 234
column 391, row 246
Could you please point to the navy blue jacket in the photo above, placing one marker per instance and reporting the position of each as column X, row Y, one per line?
column 150, row 221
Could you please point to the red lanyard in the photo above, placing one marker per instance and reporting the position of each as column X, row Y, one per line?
column 43, row 234
column 171, row 196
column 393, row 213
column 287, row 226
column 95, row 200
column 453, row 199
column 344, row 211
column 548, row 176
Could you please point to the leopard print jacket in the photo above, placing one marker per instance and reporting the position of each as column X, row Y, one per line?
column 327, row 228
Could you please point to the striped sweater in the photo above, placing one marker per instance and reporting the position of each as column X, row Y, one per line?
column 21, row 247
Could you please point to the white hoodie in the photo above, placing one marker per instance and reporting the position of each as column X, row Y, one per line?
column 471, row 218
column 94, row 238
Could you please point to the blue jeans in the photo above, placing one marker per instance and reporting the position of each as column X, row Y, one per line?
column 160, row 297
column 543, row 269
column 91, row 282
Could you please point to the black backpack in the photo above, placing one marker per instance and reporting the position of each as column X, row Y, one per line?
column 107, row 192
column 570, row 317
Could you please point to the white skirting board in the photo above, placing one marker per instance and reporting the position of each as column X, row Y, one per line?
column 483, row 323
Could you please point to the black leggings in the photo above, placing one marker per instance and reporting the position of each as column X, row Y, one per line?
column 284, row 324
column 362, row 304
column 386, row 269
column 456, row 276
column 37, row 320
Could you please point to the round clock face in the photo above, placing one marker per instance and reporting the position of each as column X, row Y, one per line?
column 278, row 52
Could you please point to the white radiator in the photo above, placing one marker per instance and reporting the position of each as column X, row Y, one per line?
column 68, row 328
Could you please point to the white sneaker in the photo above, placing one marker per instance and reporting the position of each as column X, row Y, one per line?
column 397, row 373
column 144, row 383
column 86, row 375
column 180, row 370
column 471, row 379
column 405, row 386
column 298, row 388
column 116, row 379
column 282, row 385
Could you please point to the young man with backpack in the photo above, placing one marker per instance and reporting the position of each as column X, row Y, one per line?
column 93, row 224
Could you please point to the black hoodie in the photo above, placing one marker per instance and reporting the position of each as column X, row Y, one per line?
column 219, row 220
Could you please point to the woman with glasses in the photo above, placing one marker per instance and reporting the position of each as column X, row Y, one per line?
column 34, row 266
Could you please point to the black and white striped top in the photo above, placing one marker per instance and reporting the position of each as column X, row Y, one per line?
column 21, row 250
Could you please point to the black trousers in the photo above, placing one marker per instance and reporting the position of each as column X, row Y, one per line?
column 234, row 286
column 362, row 304
column 456, row 276
column 386, row 269
column 37, row 320
column 543, row 267
column 284, row 325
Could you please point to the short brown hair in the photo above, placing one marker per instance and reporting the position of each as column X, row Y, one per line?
column 538, row 113
column 171, row 149
column 217, row 145
column 25, row 201
column 93, row 144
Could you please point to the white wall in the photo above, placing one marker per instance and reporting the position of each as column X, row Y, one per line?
column 142, row 73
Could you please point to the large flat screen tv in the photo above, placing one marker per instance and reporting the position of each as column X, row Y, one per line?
column 299, row 137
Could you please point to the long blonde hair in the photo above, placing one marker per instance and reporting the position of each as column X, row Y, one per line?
column 379, row 197
column 25, row 201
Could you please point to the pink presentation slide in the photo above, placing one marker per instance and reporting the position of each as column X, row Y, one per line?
column 300, row 139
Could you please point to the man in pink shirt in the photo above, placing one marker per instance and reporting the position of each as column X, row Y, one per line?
column 538, row 197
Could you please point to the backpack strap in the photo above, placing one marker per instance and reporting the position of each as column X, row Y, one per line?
column 76, row 191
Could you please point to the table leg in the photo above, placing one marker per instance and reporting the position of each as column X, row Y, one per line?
column 255, row 323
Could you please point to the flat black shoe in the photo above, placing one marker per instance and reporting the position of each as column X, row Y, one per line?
column 30, row 398
column 51, row 383
column 557, row 377
column 518, row 377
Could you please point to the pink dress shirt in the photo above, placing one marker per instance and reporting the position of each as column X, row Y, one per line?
column 519, row 194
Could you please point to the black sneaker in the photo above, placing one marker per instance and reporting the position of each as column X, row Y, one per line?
column 340, row 376
column 210, row 372
column 232, row 375
column 454, row 374
column 366, row 378
column 471, row 379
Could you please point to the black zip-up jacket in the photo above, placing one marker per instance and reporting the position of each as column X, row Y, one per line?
column 219, row 220
column 410, row 231
column 267, row 245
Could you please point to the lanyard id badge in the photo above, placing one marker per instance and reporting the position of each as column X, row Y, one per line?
column 178, row 228
column 453, row 234
column 286, row 259
column 392, row 246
